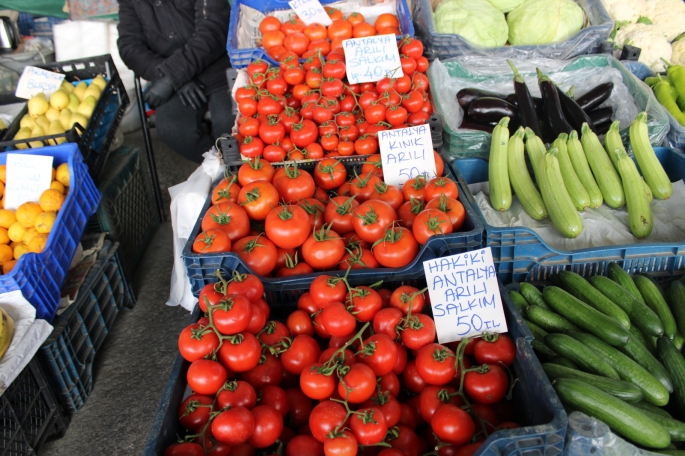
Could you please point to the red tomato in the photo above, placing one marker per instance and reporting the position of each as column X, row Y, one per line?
column 274, row 332
column 386, row 321
column 299, row 322
column 419, row 332
column 248, row 126
column 432, row 397
column 389, row 194
column 277, row 398
column 439, row 163
column 268, row 425
column 304, row 444
column 255, row 170
column 371, row 219
column 233, row 426
column 408, row 211
column 296, row 42
column 488, row 415
column 413, row 102
column 211, row 241
column 258, row 253
column 206, row 376
column 340, row 213
column 232, row 315
column 435, row 364
column 411, row 378
column 386, row 20
column 452, row 208
column 240, row 353
column 380, row 354
column 358, row 258
column 315, row 209
column 396, row 115
column 373, row 164
column 441, row 185
column 487, row 387
column 247, row 285
column 229, row 218
column 397, row 249
column 407, row 441
column 366, row 145
column 300, row 406
column 274, row 153
column 184, row 449
column 294, row 185
column 303, row 352
column 195, row 342
column 194, row 412
column 429, row 223
column 287, row 226
column 343, row 444
column 251, row 147
column 268, row 372
column 237, row 394
column 452, row 425
column 303, row 133
column 415, row 188
column 347, row 358
column 337, row 320
column 340, row 28
column 257, row 199
column 326, row 289
column 329, row 174
column 326, row 417
column 315, row 384
column 369, row 426
column 365, row 302
column 247, row 107
column 361, row 383
column 226, row 191
column 494, row 349
column 271, row 132
column 323, row 249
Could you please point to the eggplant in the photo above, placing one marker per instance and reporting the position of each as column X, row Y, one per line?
column 466, row 96
column 573, row 112
column 527, row 114
column 480, row 126
column 601, row 115
column 554, row 112
column 602, row 128
column 490, row 109
column 595, row 97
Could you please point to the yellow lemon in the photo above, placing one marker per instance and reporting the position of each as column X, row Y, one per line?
column 62, row 174
column 4, row 237
column 20, row 250
column 6, row 253
column 7, row 267
column 45, row 221
column 57, row 185
column 37, row 243
column 16, row 232
column 27, row 213
column 51, row 200
column 28, row 235
column 7, row 218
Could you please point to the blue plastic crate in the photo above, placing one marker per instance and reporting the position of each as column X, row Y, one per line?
column 39, row 276
column 521, row 255
column 543, row 417
column 241, row 58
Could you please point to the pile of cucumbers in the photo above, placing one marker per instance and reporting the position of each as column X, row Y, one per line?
column 612, row 347
column 576, row 174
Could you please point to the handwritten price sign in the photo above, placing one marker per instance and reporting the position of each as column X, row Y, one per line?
column 310, row 11
column 406, row 153
column 35, row 80
column 372, row 59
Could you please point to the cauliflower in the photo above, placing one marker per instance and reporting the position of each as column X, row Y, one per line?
column 625, row 10
column 678, row 56
column 653, row 44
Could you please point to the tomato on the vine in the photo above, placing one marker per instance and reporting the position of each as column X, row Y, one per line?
column 287, row 226
column 419, row 332
column 369, row 426
column 303, row 352
column 194, row 412
column 206, row 376
column 196, row 342
column 494, row 349
column 236, row 393
column 337, row 320
column 397, row 248
column 240, row 353
column 229, row 218
column 315, row 384
column 233, row 426
column 487, row 385
column 212, row 240
column 429, row 223
column 379, row 353
column 258, row 253
column 435, row 364
column 326, row 417
column 452, row 425
column 323, row 249
column 258, row 198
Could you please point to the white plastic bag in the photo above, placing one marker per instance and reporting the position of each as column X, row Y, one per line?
column 187, row 199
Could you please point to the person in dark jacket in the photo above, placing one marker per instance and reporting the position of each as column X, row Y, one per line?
column 180, row 46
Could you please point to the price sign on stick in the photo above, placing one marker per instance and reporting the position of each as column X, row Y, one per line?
column 310, row 11
column 35, row 80
column 406, row 153
column 372, row 59
column 27, row 177
column 465, row 295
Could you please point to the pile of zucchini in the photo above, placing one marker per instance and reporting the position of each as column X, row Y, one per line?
column 612, row 347
column 576, row 174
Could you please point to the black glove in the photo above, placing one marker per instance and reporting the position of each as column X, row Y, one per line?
column 192, row 94
column 159, row 92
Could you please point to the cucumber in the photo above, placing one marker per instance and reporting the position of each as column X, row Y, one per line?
column 620, row 416
column 581, row 355
column 655, row 300
column 640, row 315
column 675, row 428
column 521, row 182
column 500, row 187
column 548, row 320
column 640, row 219
column 585, row 317
column 636, row 335
column 673, row 360
column 628, row 370
column 651, row 168
column 541, row 348
column 537, row 331
column 619, row 388
column 652, row 408
column 607, row 178
column 676, row 299
column 575, row 188
column 620, row 276
column 678, row 341
column 581, row 289
column 657, row 285
column 564, row 361
column 533, row 295
column 519, row 301
column 560, row 208
column 641, row 355
column 671, row 452
column 582, row 169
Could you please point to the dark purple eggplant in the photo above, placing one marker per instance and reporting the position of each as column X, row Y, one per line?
column 469, row 124
column 511, row 98
column 601, row 115
column 466, row 96
column 490, row 109
column 602, row 128
column 554, row 113
column 595, row 97
column 573, row 112
column 527, row 114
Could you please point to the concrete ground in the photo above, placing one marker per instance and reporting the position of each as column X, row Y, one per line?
column 132, row 366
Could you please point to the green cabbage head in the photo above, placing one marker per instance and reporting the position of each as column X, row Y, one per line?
column 477, row 21
column 505, row 5
column 544, row 21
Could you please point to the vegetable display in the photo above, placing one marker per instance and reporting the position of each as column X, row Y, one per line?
column 670, row 90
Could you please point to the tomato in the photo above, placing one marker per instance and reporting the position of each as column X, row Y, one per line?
column 287, row 226
column 315, row 32
column 358, row 258
column 397, row 249
column 365, row 302
column 232, row 315
column 274, row 332
column 441, row 185
column 303, row 133
column 293, row 267
column 296, row 42
column 323, row 249
column 340, row 212
column 494, row 349
column 329, row 174
column 206, row 376
column 247, row 107
column 255, row 170
column 369, row 426
column 411, row 378
column 361, row 383
column 303, row 352
column 260, row 314
column 386, row 20
column 211, row 241
column 271, row 132
column 247, row 285
column 257, row 199
column 366, row 145
column 347, row 358
column 319, row 327
column 348, row 133
column 240, row 353
column 452, row 208
column 340, row 28
column 268, row 425
column 313, row 78
column 419, row 332
column 251, row 147
column 229, row 218
column 433, row 397
column 233, row 426
column 236, row 394
column 315, row 384
column 452, row 425
column 315, row 209
column 374, row 113
column 488, row 415
column 226, row 191
column 299, row 322
column 259, row 66
column 258, row 253
column 488, row 386
column 248, row 126
column 407, row 441
column 371, row 219
column 184, row 449
column 276, row 397
column 408, row 211
column 196, row 342
column 429, row 223
column 415, row 188
column 332, row 88
column 343, row 444
column 435, row 364
column 379, row 353
column 389, row 194
column 386, row 320
column 418, row 118
column 304, row 444
column 337, row 320
column 396, row 115
column 326, row 289
column 269, row 371
column 194, row 412
column 325, row 418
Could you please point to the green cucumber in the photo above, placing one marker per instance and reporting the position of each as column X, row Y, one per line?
column 678, row 341
column 676, row 298
column 655, row 300
column 627, row 369
column 581, row 355
column 642, row 339
column 675, row 428
column 652, row 408
column 548, row 320
column 620, row 276
column 537, row 331
column 563, row 361
column 640, row 315
column 541, row 348
column 519, row 301
column 581, row 289
column 641, row 355
column 620, row 416
column 619, row 388
column 586, row 317
column 671, row 452
column 533, row 295
column 673, row 360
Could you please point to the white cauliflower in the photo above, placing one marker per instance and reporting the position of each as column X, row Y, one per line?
column 625, row 10
column 678, row 56
column 668, row 16
column 653, row 44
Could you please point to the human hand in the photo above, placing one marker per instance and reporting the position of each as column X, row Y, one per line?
column 159, row 92
column 192, row 94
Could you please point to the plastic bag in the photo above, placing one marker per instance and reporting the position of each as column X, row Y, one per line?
column 187, row 199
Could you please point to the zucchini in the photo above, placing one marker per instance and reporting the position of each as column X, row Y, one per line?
column 627, row 369
column 585, row 317
column 559, row 204
column 619, row 388
column 575, row 188
column 549, row 320
column 641, row 355
column 675, row 428
column 563, row 361
column 581, row 289
column 637, row 336
column 500, row 187
column 640, row 315
column 652, row 408
column 537, row 331
column 541, row 348
column 607, row 177
column 654, row 173
column 521, row 182
column 673, row 360
column 640, row 219
column 613, row 141
column 519, row 301
column 676, row 299
column 535, row 149
column 580, row 354
column 533, row 295
column 620, row 416
column 582, row 169
column 671, row 452
column 620, row 276
column 651, row 293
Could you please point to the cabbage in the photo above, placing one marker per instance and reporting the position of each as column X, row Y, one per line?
column 477, row 21
column 505, row 5
column 544, row 21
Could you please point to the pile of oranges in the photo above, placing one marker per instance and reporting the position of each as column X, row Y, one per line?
column 27, row 229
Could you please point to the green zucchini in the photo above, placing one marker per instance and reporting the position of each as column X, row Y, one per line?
column 537, row 331
column 620, row 416
column 671, row 452
column 673, row 360
column 643, row 405
column 563, row 361
column 640, row 219
column 541, row 348
column 620, row 276
column 651, row 168
column 519, row 301
column 560, row 207
column 676, row 299
column 627, row 369
column 500, row 187
column 613, row 141
column 581, row 289
column 619, row 388
column 582, row 169
column 655, row 300
column 586, row 317
column 533, row 295
column 641, row 355
column 521, row 182
column 640, row 315
column 607, row 178
column 580, row 354
column 548, row 320
column 535, row 149
column 575, row 188
column 637, row 336
column 675, row 428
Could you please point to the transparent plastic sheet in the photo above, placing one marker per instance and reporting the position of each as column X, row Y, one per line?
column 629, row 96
column 598, row 26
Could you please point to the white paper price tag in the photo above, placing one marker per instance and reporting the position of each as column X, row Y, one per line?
column 406, row 153
column 27, row 177
column 35, row 80
column 372, row 59
column 465, row 295
column 310, row 11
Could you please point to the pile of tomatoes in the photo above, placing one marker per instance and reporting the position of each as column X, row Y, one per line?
column 366, row 224
column 308, row 111
column 352, row 371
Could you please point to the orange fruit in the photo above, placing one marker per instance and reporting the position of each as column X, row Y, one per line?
column 19, row 250
column 37, row 243
column 14, row 244
column 51, row 200
column 62, row 174
column 7, row 218
column 27, row 213
column 2, row 189
column 5, row 253
column 4, row 237
column 45, row 221
column 3, row 169
column 28, row 235
column 7, row 267
column 57, row 185
column 16, row 232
